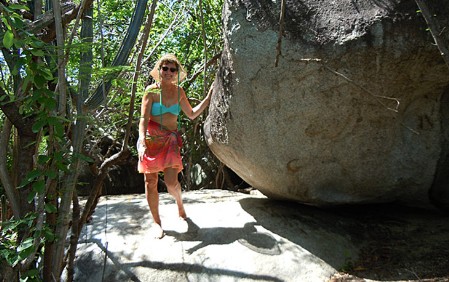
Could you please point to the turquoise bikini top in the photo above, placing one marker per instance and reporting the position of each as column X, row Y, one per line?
column 159, row 109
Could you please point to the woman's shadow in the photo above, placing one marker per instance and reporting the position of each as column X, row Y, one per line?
column 247, row 235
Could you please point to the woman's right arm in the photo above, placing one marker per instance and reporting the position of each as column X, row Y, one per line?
column 145, row 110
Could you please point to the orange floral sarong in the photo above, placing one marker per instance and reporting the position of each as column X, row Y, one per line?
column 163, row 149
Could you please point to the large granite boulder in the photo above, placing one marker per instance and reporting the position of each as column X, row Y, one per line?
column 356, row 110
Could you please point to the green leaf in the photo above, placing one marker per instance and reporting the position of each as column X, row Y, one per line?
column 16, row 21
column 37, row 44
column 49, row 103
column 39, row 124
column 5, row 21
column 51, row 174
column 50, row 208
column 18, row 7
column 39, row 186
column 40, row 81
column 30, row 276
column 57, row 125
column 30, row 197
column 37, row 52
column 11, row 258
column 25, row 248
column 18, row 43
column 43, row 159
column 28, row 79
column 85, row 158
column 32, row 175
column 8, row 39
column 45, row 72
column 48, row 233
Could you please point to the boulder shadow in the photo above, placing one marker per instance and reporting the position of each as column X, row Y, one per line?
column 384, row 242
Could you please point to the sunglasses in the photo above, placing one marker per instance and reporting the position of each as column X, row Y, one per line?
column 171, row 69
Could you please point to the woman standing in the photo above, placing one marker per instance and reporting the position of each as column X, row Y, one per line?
column 159, row 143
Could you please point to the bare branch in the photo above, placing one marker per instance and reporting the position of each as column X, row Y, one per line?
column 281, row 32
column 146, row 33
column 167, row 31
column 203, row 34
column 61, row 63
column 434, row 30
column 48, row 19
column 378, row 98
column 212, row 61
column 6, row 180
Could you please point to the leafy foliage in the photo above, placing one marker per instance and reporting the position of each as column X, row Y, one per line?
column 30, row 98
column 176, row 29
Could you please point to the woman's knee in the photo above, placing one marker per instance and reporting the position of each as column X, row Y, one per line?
column 171, row 183
column 151, row 182
column 171, row 178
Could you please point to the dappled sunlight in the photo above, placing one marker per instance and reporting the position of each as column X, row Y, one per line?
column 217, row 240
column 241, row 236
column 110, row 215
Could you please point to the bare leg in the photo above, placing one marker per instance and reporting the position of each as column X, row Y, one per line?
column 174, row 188
column 152, row 196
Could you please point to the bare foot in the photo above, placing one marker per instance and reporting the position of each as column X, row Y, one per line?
column 156, row 231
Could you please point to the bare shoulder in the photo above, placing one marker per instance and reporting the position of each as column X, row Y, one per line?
column 151, row 87
column 150, row 90
column 182, row 92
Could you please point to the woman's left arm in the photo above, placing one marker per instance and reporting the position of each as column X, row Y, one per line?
column 193, row 113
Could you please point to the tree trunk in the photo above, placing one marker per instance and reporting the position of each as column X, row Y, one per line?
column 6, row 181
column 67, row 191
column 78, row 137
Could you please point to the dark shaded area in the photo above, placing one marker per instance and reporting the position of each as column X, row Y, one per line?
column 313, row 22
column 439, row 192
column 395, row 242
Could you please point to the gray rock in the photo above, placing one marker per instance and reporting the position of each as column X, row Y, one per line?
column 220, row 242
column 355, row 111
column 238, row 237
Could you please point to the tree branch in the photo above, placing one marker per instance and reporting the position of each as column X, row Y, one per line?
column 48, row 18
column 6, row 180
column 161, row 39
column 434, row 30
column 122, row 56
column 145, row 35
column 61, row 62
column 281, row 33
column 11, row 111
column 212, row 61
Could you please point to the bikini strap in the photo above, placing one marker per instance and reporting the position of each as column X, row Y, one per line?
column 179, row 106
column 160, row 103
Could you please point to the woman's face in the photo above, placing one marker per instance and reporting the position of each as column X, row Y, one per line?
column 168, row 71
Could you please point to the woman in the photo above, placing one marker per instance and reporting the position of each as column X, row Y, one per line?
column 159, row 142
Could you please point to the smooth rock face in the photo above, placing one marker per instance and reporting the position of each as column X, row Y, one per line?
column 356, row 110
